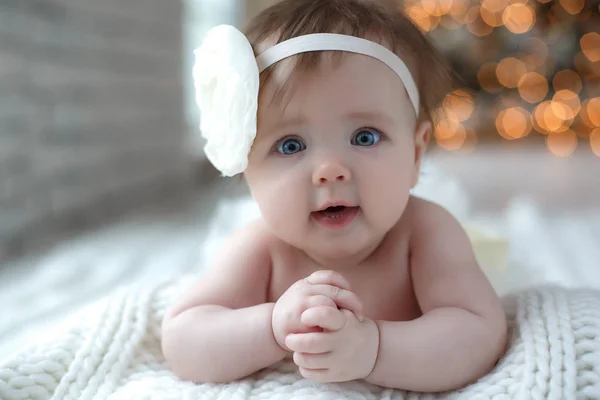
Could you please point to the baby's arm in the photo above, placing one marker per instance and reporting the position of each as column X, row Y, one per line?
column 462, row 332
column 220, row 329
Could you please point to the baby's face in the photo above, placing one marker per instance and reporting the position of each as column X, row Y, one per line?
column 346, row 136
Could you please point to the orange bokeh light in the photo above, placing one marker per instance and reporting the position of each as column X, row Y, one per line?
column 518, row 18
column 592, row 112
column 421, row 17
column 567, row 80
column 570, row 100
column 551, row 116
column 475, row 24
column 573, row 7
column 491, row 17
column 513, row 123
column 458, row 9
column 533, row 87
column 459, row 104
column 590, row 45
column 595, row 141
column 510, row 71
column 448, row 128
column 450, row 134
column 437, row 8
column 562, row 144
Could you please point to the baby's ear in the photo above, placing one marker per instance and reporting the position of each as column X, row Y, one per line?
column 422, row 137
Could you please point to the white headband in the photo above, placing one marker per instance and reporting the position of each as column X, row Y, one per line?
column 336, row 42
column 227, row 80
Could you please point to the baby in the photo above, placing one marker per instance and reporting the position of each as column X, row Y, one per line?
column 326, row 109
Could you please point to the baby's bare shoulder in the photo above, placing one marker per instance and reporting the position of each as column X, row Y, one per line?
column 422, row 216
column 239, row 274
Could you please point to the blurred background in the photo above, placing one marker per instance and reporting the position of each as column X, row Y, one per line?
column 103, row 180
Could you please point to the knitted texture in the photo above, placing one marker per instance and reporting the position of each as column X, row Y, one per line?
column 112, row 351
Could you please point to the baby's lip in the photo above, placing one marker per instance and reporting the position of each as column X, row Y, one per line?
column 335, row 204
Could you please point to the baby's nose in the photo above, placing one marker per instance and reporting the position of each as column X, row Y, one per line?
column 331, row 171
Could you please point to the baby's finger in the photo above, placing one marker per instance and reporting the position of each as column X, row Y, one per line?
column 316, row 375
column 342, row 298
column 312, row 361
column 328, row 278
column 313, row 342
column 319, row 300
column 325, row 317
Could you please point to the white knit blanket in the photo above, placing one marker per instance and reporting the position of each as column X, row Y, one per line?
column 112, row 351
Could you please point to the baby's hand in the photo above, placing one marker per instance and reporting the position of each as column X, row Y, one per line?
column 321, row 289
column 345, row 351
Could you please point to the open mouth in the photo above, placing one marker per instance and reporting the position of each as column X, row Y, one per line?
column 336, row 216
column 334, row 210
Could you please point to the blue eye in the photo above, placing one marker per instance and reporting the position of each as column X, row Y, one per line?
column 290, row 146
column 366, row 138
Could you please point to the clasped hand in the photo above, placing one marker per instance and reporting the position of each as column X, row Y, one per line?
column 322, row 322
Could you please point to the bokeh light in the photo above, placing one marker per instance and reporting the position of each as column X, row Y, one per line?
column 513, row 123
column 475, row 23
column 590, row 45
column 532, row 68
column 533, row 87
column 573, row 7
column 570, row 101
column 510, row 71
column 592, row 111
column 595, row 141
column 567, row 80
column 437, row 8
column 562, row 144
column 518, row 18
column 459, row 105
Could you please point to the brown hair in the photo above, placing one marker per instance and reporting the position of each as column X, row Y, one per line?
column 377, row 20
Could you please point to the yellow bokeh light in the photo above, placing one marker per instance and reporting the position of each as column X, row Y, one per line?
column 513, row 123
column 562, row 144
column 437, row 8
column 567, row 80
column 510, row 71
column 590, row 45
column 533, row 87
column 573, row 7
column 518, row 18
column 570, row 100
column 595, row 141
column 459, row 105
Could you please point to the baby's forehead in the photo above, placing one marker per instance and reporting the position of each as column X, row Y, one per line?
column 336, row 79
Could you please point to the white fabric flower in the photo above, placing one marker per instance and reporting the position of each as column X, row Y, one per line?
column 226, row 79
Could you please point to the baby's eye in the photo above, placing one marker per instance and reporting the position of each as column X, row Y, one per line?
column 366, row 137
column 290, row 146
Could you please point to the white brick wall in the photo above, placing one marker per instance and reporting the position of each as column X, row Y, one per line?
column 92, row 110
